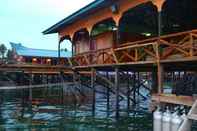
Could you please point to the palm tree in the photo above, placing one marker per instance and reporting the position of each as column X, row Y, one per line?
column 3, row 50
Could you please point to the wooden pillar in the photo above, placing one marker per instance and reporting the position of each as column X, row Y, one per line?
column 159, row 23
column 154, row 81
column 138, row 84
column 128, row 91
column 30, row 90
column 59, row 52
column 62, row 84
column 117, row 91
column 160, row 76
column 93, row 89
column 159, row 4
column 108, row 95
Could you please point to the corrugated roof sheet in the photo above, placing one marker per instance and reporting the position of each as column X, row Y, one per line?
column 95, row 5
column 24, row 51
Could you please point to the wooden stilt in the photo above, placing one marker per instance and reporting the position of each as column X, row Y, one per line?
column 93, row 89
column 30, row 91
column 117, row 91
column 62, row 83
column 128, row 92
column 160, row 75
column 134, row 87
column 154, row 82
column 138, row 85
column 108, row 96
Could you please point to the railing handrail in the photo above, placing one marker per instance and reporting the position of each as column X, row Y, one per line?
column 92, row 51
column 138, row 43
column 157, row 38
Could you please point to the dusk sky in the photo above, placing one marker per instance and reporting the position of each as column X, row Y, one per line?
column 22, row 21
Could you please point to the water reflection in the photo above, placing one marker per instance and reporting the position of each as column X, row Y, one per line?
column 15, row 115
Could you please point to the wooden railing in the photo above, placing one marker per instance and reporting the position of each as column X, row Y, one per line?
column 169, row 47
column 102, row 56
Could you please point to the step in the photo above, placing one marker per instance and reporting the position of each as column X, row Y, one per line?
column 192, row 117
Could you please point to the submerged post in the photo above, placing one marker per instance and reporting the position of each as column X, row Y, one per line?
column 128, row 91
column 160, row 75
column 117, row 91
column 93, row 89
column 30, row 91
column 108, row 95
column 62, row 84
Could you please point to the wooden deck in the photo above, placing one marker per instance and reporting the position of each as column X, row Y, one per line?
column 173, row 99
column 178, row 47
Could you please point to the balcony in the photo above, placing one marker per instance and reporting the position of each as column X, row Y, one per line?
column 169, row 48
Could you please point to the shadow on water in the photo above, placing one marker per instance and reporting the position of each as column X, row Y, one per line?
column 16, row 115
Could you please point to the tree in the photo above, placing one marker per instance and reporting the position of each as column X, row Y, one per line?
column 3, row 50
column 10, row 55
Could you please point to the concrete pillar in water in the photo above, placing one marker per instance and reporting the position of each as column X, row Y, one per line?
column 117, row 91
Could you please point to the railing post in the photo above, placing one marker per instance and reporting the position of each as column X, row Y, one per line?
column 191, row 45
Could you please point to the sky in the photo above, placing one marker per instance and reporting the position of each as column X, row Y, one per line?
column 22, row 21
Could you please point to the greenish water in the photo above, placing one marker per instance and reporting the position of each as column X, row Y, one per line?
column 17, row 116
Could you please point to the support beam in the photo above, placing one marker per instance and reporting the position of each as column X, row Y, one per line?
column 154, row 81
column 160, row 76
column 108, row 95
column 59, row 52
column 128, row 91
column 30, row 90
column 93, row 89
column 117, row 91
column 159, row 24
column 134, row 87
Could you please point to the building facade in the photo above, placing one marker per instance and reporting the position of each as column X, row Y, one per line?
column 25, row 55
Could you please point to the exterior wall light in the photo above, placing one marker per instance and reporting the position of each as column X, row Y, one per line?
column 147, row 34
column 34, row 59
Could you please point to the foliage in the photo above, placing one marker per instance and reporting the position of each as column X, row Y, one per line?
column 3, row 50
column 10, row 55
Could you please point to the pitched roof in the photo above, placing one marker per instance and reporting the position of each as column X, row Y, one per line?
column 25, row 51
column 83, row 12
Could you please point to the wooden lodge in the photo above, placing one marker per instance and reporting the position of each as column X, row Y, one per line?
column 24, row 55
column 156, row 36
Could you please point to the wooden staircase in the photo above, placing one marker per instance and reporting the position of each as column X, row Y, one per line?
column 192, row 116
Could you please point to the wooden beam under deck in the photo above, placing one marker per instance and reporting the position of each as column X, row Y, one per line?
column 39, row 69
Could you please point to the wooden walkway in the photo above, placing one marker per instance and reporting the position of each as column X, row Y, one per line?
column 35, row 86
column 173, row 99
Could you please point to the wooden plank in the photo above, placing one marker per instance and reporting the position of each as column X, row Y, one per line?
column 192, row 117
column 33, row 86
column 114, row 55
column 173, row 99
column 134, row 46
column 177, row 47
column 186, row 125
